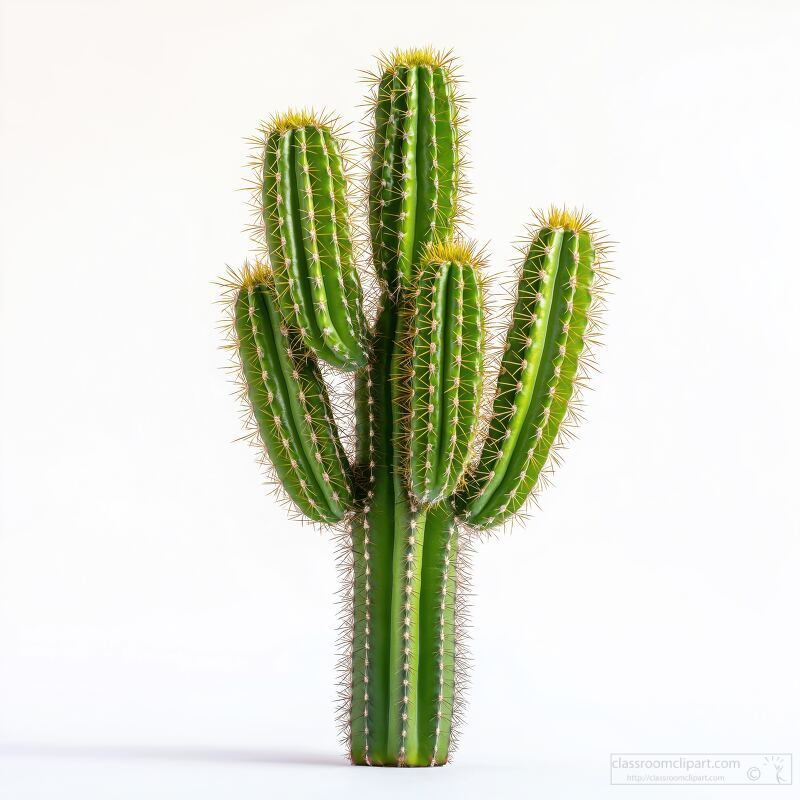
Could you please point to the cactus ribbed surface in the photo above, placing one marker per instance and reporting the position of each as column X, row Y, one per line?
column 428, row 470
column 290, row 404
column 307, row 229
column 415, row 159
column 538, row 371
column 446, row 342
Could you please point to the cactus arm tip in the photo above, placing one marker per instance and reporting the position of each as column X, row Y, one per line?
column 295, row 118
column 427, row 56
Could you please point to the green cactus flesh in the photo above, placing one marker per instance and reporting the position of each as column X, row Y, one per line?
column 404, row 584
column 446, row 342
column 428, row 469
column 307, row 231
column 415, row 160
column 537, row 374
column 290, row 405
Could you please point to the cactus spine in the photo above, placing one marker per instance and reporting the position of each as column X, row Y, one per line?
column 428, row 472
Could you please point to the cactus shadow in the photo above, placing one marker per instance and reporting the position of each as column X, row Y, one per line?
column 218, row 755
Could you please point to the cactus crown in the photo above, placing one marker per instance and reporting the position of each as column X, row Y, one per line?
column 456, row 250
column 570, row 219
column 298, row 118
column 251, row 275
column 435, row 458
column 417, row 57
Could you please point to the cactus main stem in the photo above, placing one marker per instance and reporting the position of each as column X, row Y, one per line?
column 405, row 586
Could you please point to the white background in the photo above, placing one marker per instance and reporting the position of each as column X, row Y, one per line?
column 164, row 631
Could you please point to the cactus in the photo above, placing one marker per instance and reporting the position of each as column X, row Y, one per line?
column 433, row 464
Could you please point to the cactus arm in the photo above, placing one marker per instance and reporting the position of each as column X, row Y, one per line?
column 298, row 303
column 537, row 377
column 291, row 408
column 302, row 391
column 446, row 373
column 270, row 416
column 314, row 177
column 304, row 245
column 414, row 167
column 532, row 325
column 562, row 384
column 282, row 218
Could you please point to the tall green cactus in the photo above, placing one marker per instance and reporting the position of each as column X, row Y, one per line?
column 430, row 469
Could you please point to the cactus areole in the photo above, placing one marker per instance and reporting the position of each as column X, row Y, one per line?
column 444, row 447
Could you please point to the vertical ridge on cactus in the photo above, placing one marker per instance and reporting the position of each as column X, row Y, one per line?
column 428, row 471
